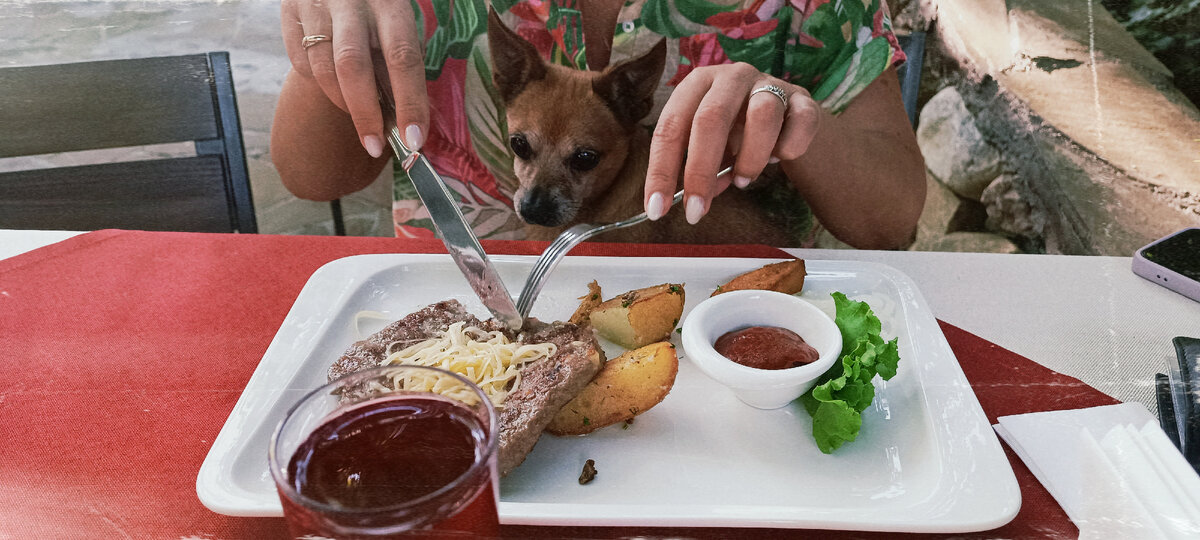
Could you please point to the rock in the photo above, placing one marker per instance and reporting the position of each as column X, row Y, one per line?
column 941, row 204
column 945, row 212
column 910, row 15
column 954, row 149
column 1089, row 120
column 970, row 216
column 1009, row 210
column 975, row 242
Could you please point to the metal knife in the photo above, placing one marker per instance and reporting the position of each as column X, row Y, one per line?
column 460, row 241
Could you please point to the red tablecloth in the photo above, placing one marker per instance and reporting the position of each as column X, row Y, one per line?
column 122, row 353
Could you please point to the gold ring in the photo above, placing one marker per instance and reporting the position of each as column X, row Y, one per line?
column 314, row 39
column 773, row 90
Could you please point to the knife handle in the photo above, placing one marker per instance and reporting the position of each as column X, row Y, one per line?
column 1186, row 398
column 391, row 130
column 1166, row 409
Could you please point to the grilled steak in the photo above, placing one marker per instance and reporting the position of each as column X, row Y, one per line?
column 546, row 385
column 414, row 328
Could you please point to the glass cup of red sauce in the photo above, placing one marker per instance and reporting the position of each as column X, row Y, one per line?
column 394, row 451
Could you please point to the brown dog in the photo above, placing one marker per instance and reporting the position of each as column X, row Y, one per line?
column 581, row 155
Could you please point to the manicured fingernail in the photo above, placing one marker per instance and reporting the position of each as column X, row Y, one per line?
column 656, row 206
column 413, row 138
column 695, row 209
column 773, row 160
column 741, row 182
column 373, row 145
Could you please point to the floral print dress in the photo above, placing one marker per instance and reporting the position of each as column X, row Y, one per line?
column 833, row 48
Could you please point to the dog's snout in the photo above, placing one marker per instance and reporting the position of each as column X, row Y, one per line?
column 540, row 207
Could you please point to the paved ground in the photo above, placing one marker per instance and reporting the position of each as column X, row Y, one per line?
column 41, row 32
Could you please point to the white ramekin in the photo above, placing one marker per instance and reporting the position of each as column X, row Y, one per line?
column 735, row 310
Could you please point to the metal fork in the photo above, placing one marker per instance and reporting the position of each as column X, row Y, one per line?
column 566, row 241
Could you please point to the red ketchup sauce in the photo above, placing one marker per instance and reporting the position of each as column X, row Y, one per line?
column 389, row 453
column 766, row 347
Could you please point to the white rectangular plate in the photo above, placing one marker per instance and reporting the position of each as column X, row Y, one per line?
column 926, row 459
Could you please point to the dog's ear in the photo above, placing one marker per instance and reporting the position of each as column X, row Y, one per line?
column 515, row 62
column 628, row 87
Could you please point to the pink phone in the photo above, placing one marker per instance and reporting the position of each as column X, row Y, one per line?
column 1173, row 262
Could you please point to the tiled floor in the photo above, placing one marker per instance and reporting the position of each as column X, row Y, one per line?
column 41, row 32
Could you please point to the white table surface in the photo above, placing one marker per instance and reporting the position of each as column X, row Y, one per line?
column 1088, row 317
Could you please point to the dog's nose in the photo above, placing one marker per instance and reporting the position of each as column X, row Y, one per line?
column 538, row 207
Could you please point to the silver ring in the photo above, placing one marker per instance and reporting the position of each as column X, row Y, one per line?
column 775, row 91
column 309, row 41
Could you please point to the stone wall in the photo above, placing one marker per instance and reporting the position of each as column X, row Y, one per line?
column 1050, row 116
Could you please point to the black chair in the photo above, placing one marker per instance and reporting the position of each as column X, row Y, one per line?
column 126, row 103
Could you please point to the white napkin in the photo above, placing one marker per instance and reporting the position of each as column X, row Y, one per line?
column 1112, row 469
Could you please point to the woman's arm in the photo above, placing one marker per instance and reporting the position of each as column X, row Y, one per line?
column 863, row 174
column 314, row 144
column 328, row 122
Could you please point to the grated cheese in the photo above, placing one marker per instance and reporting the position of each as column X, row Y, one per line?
column 488, row 359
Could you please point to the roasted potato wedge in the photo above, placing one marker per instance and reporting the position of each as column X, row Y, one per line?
column 640, row 317
column 785, row 277
column 587, row 303
column 625, row 387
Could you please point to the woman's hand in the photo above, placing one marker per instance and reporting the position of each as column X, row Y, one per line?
column 712, row 114
column 344, row 65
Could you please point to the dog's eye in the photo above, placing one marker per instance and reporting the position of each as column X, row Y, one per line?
column 520, row 146
column 584, row 160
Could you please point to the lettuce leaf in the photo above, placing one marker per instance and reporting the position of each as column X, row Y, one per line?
column 843, row 392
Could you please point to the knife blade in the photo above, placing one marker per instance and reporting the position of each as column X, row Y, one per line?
column 460, row 241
